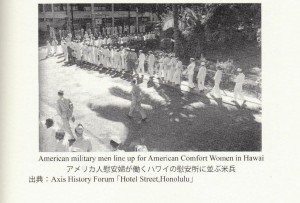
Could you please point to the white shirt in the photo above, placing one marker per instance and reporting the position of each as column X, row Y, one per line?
column 218, row 76
column 202, row 72
column 190, row 68
column 142, row 57
column 239, row 80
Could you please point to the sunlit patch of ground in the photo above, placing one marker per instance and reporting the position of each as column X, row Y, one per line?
column 177, row 121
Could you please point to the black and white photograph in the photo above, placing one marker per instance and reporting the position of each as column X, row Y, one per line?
column 150, row 77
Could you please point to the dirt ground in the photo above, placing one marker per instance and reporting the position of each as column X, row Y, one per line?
column 178, row 121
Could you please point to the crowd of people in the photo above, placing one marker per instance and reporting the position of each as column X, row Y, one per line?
column 55, row 139
column 119, row 56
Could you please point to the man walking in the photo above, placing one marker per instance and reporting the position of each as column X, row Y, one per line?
column 65, row 111
column 136, row 101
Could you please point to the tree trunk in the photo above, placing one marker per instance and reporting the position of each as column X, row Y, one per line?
column 176, row 31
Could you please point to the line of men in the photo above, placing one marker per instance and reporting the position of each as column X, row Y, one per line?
column 168, row 68
column 98, row 31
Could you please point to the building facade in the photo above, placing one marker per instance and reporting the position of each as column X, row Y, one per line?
column 85, row 16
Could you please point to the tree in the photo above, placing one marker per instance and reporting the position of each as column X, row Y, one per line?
column 177, row 43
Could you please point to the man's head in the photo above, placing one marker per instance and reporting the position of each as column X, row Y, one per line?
column 133, row 82
column 219, row 67
column 60, row 134
column 192, row 60
column 49, row 122
column 79, row 130
column 239, row 70
column 60, row 93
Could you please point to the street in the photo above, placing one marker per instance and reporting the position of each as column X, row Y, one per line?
column 178, row 121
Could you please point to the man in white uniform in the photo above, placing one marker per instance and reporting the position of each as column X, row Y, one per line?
column 54, row 44
column 151, row 62
column 49, row 49
column 171, row 68
column 141, row 66
column 201, row 77
column 218, row 77
column 177, row 74
column 165, row 64
column 161, row 66
column 190, row 73
column 239, row 81
column 117, row 60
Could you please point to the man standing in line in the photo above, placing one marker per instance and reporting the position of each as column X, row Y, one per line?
column 239, row 81
column 201, row 77
column 54, row 44
column 65, row 111
column 161, row 67
column 141, row 67
column 49, row 49
column 136, row 101
column 218, row 77
column 132, row 59
column 177, row 74
column 65, row 49
column 166, row 63
column 171, row 68
column 151, row 62
column 190, row 73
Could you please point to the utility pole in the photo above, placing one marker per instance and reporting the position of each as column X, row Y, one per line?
column 112, row 16
column 137, row 19
column 72, row 14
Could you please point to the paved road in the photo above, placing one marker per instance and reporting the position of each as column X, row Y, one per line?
column 178, row 121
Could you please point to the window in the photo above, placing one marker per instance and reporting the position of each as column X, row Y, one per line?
column 60, row 7
column 102, row 7
column 74, row 7
column 48, row 8
column 99, row 8
column 121, row 7
column 84, row 7
column 41, row 8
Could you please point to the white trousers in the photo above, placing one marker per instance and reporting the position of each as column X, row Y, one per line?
column 216, row 90
column 201, row 84
column 238, row 93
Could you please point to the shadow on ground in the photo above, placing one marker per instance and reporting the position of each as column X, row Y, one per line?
column 186, row 122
